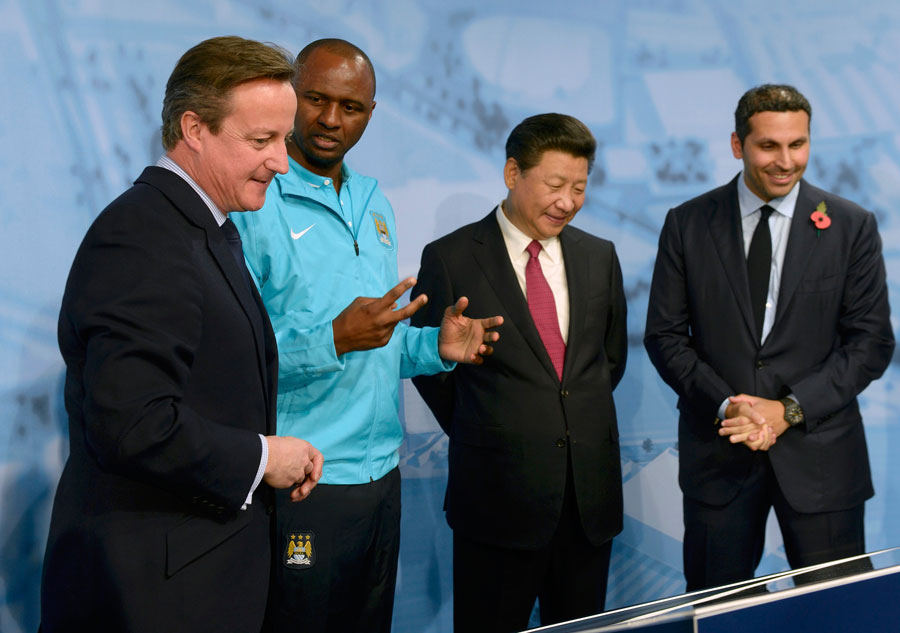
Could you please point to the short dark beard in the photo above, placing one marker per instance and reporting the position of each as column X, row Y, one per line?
column 312, row 159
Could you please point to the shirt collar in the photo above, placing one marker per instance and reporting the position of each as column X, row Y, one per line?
column 750, row 202
column 167, row 163
column 517, row 241
column 315, row 180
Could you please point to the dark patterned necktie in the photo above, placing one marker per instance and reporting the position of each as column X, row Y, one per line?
column 543, row 308
column 759, row 268
column 237, row 249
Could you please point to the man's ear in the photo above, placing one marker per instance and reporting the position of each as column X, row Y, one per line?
column 511, row 172
column 736, row 148
column 192, row 129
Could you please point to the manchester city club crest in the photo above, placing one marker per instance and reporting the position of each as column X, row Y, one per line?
column 300, row 551
column 381, row 227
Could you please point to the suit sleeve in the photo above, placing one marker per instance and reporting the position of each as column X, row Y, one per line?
column 667, row 336
column 616, row 342
column 865, row 339
column 434, row 282
column 135, row 302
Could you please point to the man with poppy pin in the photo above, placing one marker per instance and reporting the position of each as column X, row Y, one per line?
column 323, row 252
column 768, row 315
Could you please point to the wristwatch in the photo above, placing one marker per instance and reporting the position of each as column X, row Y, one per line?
column 793, row 414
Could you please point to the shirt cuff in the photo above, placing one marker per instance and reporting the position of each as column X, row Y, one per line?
column 263, row 461
column 722, row 408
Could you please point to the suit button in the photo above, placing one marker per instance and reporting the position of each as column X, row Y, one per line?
column 760, row 364
column 564, row 393
column 561, row 443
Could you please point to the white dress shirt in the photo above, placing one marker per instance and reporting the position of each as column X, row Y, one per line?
column 779, row 227
column 552, row 265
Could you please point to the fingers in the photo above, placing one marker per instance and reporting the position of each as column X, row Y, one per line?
column 485, row 350
column 410, row 309
column 761, row 441
column 318, row 463
column 297, row 494
column 490, row 323
column 457, row 308
column 741, row 423
column 743, row 436
column 394, row 294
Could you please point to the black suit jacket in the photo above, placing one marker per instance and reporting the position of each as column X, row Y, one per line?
column 170, row 377
column 508, row 418
column 831, row 337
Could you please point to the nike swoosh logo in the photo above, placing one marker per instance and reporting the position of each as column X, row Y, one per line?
column 297, row 236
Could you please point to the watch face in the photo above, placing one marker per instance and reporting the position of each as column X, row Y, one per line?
column 793, row 414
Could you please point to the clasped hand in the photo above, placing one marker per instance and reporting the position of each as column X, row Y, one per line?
column 753, row 421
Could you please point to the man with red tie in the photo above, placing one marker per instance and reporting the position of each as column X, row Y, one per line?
column 534, row 495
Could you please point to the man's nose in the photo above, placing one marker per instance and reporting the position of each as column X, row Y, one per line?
column 330, row 116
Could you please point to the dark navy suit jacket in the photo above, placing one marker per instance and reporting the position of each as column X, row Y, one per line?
column 511, row 420
column 831, row 337
column 170, row 377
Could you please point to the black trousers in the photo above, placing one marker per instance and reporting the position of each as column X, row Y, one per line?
column 335, row 564
column 494, row 588
column 724, row 544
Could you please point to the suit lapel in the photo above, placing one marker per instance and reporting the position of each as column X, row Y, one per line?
column 252, row 307
column 724, row 222
column 577, row 276
column 493, row 260
column 186, row 200
column 801, row 244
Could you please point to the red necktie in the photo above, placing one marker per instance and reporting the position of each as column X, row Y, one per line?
column 543, row 308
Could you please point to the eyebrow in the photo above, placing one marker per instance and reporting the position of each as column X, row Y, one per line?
column 565, row 178
column 357, row 102
column 264, row 132
column 769, row 139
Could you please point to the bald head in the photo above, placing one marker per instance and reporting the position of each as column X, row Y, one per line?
column 341, row 48
column 335, row 88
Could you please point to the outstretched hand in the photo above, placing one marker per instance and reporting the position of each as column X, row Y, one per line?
column 466, row 340
column 369, row 322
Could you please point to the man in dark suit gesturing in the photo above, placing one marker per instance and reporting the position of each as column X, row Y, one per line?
column 535, row 492
column 768, row 315
column 160, row 521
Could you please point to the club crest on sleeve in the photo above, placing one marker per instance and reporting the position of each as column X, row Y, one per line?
column 381, row 228
column 300, row 553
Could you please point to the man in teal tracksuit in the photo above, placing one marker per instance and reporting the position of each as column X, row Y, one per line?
column 323, row 251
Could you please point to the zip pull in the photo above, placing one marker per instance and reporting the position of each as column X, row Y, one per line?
column 356, row 247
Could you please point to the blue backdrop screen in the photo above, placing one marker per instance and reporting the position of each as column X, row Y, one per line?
column 656, row 80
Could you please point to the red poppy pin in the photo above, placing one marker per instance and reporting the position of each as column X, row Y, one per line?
column 820, row 217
